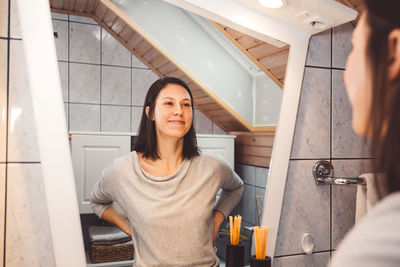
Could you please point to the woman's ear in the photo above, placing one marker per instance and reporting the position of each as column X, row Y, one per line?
column 394, row 55
column 147, row 113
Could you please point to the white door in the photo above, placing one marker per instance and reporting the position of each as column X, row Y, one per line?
column 91, row 154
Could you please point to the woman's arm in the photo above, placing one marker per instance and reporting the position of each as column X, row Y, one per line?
column 218, row 218
column 102, row 197
column 113, row 215
column 232, row 191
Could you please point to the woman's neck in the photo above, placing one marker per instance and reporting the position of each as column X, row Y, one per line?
column 170, row 152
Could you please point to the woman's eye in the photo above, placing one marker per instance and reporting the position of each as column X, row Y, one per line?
column 186, row 105
column 168, row 103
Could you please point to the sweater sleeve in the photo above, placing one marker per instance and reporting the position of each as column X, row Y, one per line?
column 232, row 189
column 100, row 196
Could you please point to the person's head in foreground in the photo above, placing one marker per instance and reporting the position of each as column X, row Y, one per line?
column 372, row 79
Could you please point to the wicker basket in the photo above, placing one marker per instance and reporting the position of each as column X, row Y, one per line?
column 121, row 252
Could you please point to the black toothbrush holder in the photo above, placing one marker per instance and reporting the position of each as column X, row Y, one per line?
column 234, row 255
column 260, row 263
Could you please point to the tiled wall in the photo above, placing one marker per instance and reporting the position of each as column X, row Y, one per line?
column 323, row 131
column 251, row 205
column 103, row 84
column 27, row 235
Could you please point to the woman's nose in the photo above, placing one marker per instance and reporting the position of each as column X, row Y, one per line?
column 178, row 110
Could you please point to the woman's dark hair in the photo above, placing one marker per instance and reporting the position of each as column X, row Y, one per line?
column 384, row 119
column 146, row 142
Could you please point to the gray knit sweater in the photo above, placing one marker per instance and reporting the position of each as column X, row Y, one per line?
column 375, row 240
column 171, row 217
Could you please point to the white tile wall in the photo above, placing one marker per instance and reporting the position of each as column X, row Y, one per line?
column 3, row 98
column 115, row 119
column 314, row 260
column 141, row 81
column 84, row 83
column 63, row 69
column 2, row 207
column 27, row 233
column 306, row 209
column 319, row 50
column 202, row 124
column 4, row 18
column 345, row 143
column 261, row 176
column 85, row 43
column 84, row 117
column 341, row 44
column 247, row 205
column 113, row 52
column 15, row 30
column 247, row 173
column 61, row 28
column 22, row 141
column 135, row 119
column 312, row 132
column 116, row 85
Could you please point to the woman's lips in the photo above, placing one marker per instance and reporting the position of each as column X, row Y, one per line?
column 178, row 122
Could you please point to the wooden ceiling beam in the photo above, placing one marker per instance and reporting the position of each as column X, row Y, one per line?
column 251, row 57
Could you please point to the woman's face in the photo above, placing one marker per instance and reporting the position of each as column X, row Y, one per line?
column 357, row 78
column 173, row 111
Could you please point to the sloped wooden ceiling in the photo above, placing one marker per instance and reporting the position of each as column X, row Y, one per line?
column 270, row 59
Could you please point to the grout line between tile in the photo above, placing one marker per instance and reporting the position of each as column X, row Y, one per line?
column 7, row 117
column 130, row 96
column 23, row 162
column 98, row 104
column 300, row 254
column 333, row 158
column 107, row 65
column 69, row 78
column 80, row 22
column 330, row 150
column 101, row 72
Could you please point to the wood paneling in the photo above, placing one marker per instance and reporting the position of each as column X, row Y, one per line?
column 254, row 148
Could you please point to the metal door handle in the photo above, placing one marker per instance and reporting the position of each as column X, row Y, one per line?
column 323, row 174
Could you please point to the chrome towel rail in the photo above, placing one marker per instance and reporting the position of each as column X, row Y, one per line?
column 323, row 174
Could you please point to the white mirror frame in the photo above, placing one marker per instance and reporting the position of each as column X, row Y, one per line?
column 52, row 133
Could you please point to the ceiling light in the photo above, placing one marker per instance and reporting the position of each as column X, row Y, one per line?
column 272, row 3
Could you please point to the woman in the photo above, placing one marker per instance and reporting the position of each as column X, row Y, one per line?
column 166, row 188
column 372, row 79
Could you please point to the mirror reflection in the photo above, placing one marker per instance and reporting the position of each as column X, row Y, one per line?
column 107, row 65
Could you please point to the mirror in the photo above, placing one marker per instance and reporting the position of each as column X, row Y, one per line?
column 236, row 81
column 222, row 54
column 282, row 145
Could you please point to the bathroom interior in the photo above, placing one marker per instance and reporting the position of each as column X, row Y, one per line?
column 269, row 98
